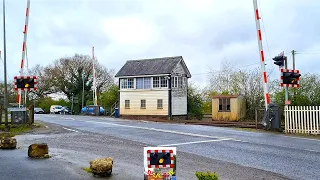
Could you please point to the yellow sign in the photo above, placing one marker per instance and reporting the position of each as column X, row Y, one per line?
column 157, row 175
column 170, row 172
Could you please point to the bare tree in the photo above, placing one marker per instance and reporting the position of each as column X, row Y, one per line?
column 45, row 84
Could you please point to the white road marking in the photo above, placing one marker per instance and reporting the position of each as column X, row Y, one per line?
column 196, row 142
column 161, row 130
column 310, row 150
column 144, row 121
column 68, row 118
column 70, row 129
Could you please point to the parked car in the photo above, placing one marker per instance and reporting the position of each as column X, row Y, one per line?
column 38, row 110
column 65, row 110
column 55, row 109
column 90, row 110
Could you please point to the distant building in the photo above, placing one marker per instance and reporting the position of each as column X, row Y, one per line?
column 228, row 107
column 154, row 87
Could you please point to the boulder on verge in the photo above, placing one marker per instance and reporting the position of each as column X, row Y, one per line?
column 38, row 150
column 101, row 167
column 8, row 143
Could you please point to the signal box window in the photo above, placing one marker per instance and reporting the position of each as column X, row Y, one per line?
column 143, row 104
column 160, row 104
column 224, row 105
column 127, row 104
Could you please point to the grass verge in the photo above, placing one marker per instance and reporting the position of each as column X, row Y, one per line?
column 15, row 129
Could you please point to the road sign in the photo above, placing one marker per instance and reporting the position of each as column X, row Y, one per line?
column 288, row 102
column 159, row 162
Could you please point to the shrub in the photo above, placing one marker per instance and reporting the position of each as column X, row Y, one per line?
column 206, row 176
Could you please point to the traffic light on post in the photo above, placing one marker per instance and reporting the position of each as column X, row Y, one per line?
column 279, row 60
column 20, row 83
column 160, row 159
column 291, row 77
column 29, row 83
column 25, row 83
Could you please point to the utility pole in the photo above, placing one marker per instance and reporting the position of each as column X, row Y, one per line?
column 5, row 103
column 286, row 88
column 82, row 90
column 72, row 105
column 294, row 67
column 293, row 59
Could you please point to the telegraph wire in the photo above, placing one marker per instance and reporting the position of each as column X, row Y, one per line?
column 241, row 67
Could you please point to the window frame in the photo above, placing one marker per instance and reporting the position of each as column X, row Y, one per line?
column 127, row 102
column 141, row 104
column 175, row 82
column 144, row 82
column 124, row 83
column 159, row 102
column 224, row 105
column 141, row 83
column 131, row 82
column 163, row 82
column 180, row 82
column 156, row 81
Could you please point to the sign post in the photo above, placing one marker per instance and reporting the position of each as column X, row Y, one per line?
column 160, row 163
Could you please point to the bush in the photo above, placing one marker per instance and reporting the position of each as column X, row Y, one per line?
column 195, row 103
column 206, row 176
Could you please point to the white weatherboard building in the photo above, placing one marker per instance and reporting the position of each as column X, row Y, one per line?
column 154, row 87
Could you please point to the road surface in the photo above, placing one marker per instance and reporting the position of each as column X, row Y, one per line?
column 232, row 153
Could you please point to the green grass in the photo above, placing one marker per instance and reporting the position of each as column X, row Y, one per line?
column 88, row 170
column 15, row 129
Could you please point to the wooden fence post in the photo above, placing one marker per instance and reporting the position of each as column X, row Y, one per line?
column 1, row 108
column 256, row 117
column 31, row 114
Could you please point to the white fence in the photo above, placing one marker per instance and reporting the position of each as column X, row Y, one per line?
column 302, row 119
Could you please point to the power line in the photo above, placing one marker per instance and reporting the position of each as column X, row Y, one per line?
column 237, row 67
column 308, row 52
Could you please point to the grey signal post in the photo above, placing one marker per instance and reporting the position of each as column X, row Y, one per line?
column 5, row 102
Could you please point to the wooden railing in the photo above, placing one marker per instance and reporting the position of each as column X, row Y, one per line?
column 302, row 119
column 113, row 107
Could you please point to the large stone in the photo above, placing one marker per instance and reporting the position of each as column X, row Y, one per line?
column 8, row 143
column 101, row 167
column 38, row 150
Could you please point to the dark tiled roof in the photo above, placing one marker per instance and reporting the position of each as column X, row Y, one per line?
column 163, row 65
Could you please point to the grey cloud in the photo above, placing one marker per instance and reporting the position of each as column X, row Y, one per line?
column 230, row 33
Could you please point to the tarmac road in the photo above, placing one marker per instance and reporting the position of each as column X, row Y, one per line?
column 232, row 154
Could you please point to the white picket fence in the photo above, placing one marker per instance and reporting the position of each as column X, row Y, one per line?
column 302, row 119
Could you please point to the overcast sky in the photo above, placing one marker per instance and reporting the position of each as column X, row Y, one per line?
column 204, row 32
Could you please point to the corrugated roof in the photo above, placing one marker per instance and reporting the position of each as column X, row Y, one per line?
column 163, row 65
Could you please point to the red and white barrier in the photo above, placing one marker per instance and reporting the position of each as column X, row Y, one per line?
column 263, row 68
